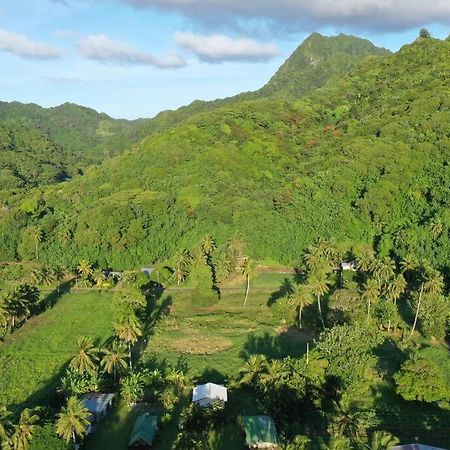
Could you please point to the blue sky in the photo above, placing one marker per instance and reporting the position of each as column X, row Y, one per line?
column 134, row 58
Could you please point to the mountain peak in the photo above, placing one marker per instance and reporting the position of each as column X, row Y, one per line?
column 318, row 59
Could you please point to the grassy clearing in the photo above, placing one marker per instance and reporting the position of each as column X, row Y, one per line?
column 33, row 358
column 217, row 340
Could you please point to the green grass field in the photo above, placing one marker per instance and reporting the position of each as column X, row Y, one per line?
column 33, row 358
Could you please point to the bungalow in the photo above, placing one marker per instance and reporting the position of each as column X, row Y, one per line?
column 143, row 433
column 97, row 405
column 414, row 447
column 209, row 393
column 260, row 432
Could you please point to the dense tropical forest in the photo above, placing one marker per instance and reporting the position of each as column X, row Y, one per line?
column 297, row 240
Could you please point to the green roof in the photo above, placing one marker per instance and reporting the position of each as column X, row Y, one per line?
column 144, row 430
column 259, row 429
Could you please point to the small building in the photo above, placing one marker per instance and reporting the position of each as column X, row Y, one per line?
column 97, row 405
column 143, row 433
column 260, row 432
column 414, row 447
column 348, row 265
column 209, row 393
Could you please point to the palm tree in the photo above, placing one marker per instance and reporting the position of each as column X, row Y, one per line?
column 85, row 268
column 433, row 284
column 5, row 423
column 23, row 431
column 208, row 245
column 113, row 360
column 132, row 388
column 128, row 330
column 254, row 366
column 319, row 287
column 382, row 440
column 371, row 293
column 366, row 262
column 300, row 298
column 248, row 269
column 396, row 288
column 73, row 420
column 86, row 356
column 384, row 269
column 99, row 277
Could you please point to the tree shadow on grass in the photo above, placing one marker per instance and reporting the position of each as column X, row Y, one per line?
column 286, row 288
column 291, row 342
column 51, row 299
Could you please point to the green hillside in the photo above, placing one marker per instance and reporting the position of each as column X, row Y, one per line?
column 317, row 60
column 364, row 160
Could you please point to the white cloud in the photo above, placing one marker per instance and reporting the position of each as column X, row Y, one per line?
column 393, row 15
column 20, row 45
column 219, row 48
column 107, row 51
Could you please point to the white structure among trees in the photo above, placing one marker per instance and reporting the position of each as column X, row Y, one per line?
column 209, row 393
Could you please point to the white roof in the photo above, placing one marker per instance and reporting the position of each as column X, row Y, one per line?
column 96, row 403
column 211, row 391
column 415, row 447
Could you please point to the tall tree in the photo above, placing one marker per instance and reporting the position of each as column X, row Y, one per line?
column 23, row 431
column 299, row 298
column 86, row 356
column 319, row 287
column 114, row 360
column 129, row 329
column 73, row 420
column 248, row 270
column 370, row 293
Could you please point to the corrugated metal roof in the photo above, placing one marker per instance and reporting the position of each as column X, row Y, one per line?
column 144, row 430
column 211, row 391
column 259, row 430
column 415, row 447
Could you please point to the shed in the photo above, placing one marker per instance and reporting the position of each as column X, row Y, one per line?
column 97, row 405
column 414, row 447
column 144, row 431
column 209, row 393
column 260, row 432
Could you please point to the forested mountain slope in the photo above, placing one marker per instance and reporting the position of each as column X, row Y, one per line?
column 317, row 60
column 76, row 137
column 364, row 160
column 40, row 146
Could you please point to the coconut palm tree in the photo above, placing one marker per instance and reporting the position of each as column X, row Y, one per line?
column 4, row 316
column 395, row 288
column 208, row 245
column 114, row 360
column 86, row 356
column 366, row 262
column 371, row 293
column 248, row 269
column 433, row 284
column 382, row 440
column 23, row 431
column 384, row 270
column 73, row 420
column 85, row 268
column 299, row 298
column 128, row 330
column 251, row 370
column 99, row 277
column 319, row 287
